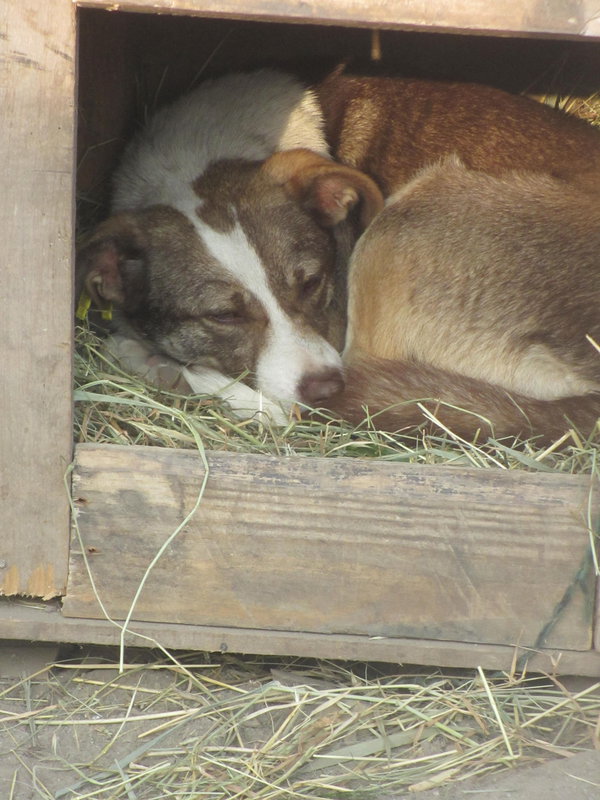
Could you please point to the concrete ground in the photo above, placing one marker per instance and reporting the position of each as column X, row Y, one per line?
column 574, row 778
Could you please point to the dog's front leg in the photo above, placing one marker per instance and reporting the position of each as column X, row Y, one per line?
column 137, row 359
column 162, row 371
column 244, row 401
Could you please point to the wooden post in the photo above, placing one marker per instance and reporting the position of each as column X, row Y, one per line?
column 37, row 147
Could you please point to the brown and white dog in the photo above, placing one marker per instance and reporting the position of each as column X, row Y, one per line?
column 228, row 248
column 229, row 244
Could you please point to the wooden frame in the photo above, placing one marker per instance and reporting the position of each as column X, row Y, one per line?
column 37, row 143
column 517, row 17
column 421, row 581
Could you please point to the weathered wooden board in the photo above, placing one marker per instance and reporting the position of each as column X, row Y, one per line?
column 596, row 644
column 45, row 622
column 37, row 153
column 501, row 16
column 334, row 546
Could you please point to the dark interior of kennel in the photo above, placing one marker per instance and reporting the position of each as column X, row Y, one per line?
column 131, row 63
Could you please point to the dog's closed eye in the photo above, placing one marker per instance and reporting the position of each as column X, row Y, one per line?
column 225, row 317
column 309, row 286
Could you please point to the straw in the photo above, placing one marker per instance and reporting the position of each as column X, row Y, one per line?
column 112, row 407
column 319, row 730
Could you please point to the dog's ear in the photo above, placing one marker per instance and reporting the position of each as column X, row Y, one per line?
column 328, row 189
column 111, row 261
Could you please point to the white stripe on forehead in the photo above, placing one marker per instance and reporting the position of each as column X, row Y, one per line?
column 290, row 352
column 235, row 253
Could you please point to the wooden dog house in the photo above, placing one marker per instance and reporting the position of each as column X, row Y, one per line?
column 321, row 557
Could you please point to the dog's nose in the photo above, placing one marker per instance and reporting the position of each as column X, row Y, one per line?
column 316, row 387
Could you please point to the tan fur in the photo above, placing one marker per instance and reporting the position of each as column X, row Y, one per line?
column 496, row 278
column 474, row 289
column 323, row 185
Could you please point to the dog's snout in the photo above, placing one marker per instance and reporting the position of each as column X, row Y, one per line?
column 316, row 387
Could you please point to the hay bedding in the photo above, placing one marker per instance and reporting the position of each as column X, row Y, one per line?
column 112, row 407
column 254, row 728
column 242, row 728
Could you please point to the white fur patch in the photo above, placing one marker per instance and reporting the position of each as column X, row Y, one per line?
column 244, row 401
column 130, row 353
column 136, row 358
column 290, row 352
column 246, row 115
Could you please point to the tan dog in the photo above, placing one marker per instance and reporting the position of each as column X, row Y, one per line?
column 467, row 276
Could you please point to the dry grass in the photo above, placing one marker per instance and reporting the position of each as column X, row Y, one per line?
column 247, row 728
column 587, row 107
column 115, row 408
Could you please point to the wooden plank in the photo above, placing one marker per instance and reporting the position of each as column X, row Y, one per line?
column 519, row 17
column 47, row 623
column 36, row 143
column 334, row 546
column 596, row 644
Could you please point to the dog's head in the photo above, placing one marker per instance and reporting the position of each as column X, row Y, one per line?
column 244, row 280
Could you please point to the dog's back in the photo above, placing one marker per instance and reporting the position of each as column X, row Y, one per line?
column 392, row 127
column 497, row 278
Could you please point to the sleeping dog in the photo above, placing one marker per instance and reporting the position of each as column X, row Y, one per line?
column 237, row 208
column 229, row 244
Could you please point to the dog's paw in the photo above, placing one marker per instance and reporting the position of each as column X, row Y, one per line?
column 166, row 374
column 134, row 357
column 244, row 401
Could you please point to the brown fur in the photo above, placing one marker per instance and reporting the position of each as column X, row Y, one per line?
column 480, row 292
column 165, row 289
column 392, row 127
column 395, row 392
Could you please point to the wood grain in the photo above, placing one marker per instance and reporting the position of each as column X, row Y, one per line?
column 335, row 546
column 36, row 143
column 518, row 17
column 36, row 623
column 596, row 643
